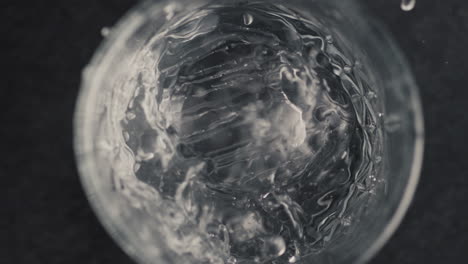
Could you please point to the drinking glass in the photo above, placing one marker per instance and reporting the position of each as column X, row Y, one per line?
column 126, row 206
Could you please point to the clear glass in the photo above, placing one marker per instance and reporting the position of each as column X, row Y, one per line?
column 126, row 209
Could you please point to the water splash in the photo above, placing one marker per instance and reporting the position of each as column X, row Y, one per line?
column 253, row 141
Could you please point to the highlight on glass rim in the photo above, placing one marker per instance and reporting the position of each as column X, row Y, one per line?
column 249, row 132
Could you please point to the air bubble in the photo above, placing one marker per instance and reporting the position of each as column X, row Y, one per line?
column 248, row 19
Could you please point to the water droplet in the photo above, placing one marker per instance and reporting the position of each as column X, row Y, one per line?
column 407, row 5
column 248, row 19
column 292, row 259
column 105, row 31
column 329, row 39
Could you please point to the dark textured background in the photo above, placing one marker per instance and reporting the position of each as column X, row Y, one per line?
column 48, row 217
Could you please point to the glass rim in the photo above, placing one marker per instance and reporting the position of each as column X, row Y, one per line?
column 84, row 146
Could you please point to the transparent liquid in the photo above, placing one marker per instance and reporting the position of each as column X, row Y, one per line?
column 254, row 134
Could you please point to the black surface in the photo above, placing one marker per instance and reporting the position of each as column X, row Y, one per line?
column 48, row 43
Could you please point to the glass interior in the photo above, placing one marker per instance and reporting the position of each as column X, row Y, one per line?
column 128, row 206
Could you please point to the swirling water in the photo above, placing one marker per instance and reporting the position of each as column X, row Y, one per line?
column 253, row 131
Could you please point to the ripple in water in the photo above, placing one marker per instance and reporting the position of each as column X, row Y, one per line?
column 254, row 130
